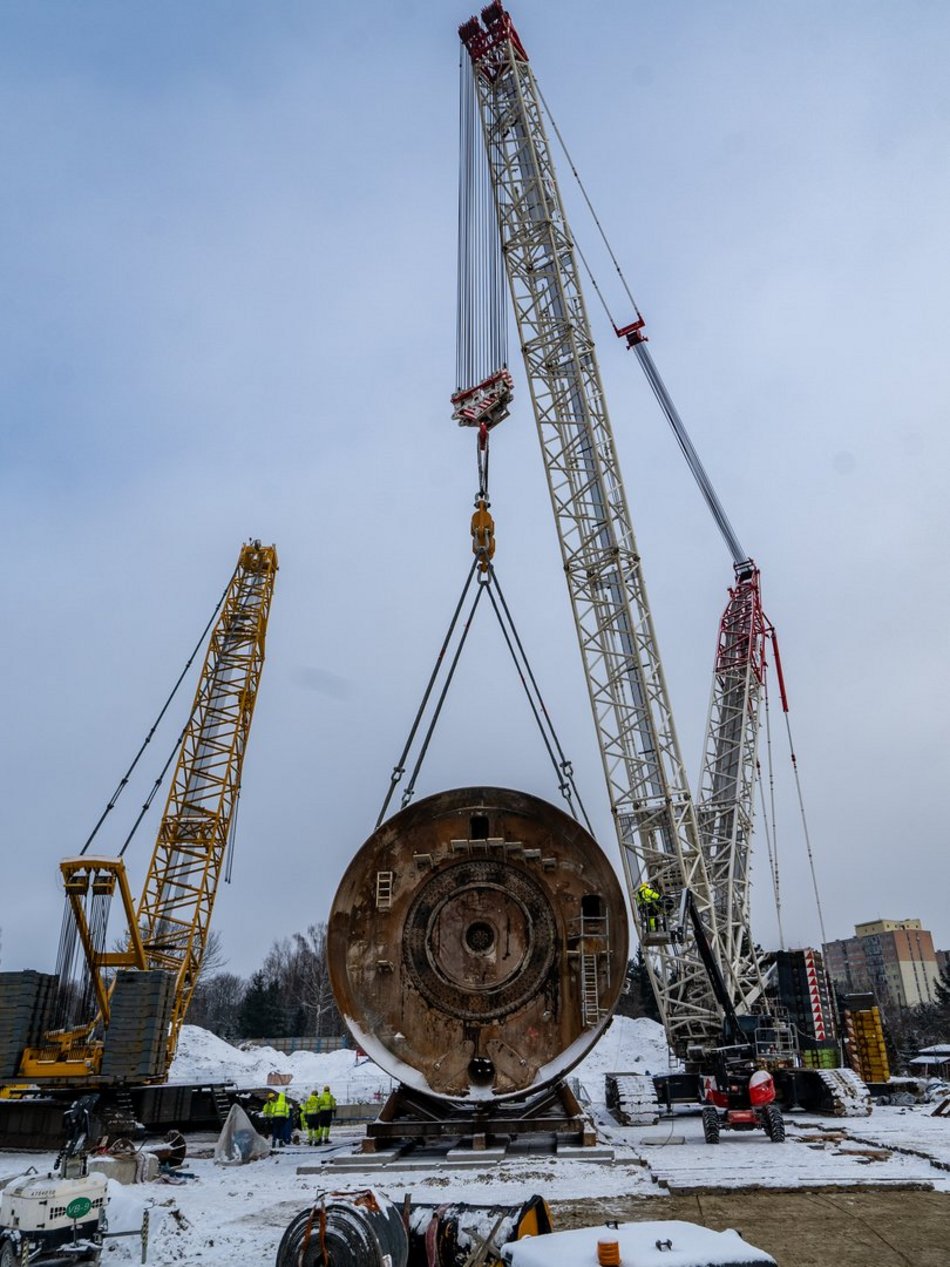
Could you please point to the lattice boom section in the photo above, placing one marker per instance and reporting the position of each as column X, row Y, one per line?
column 175, row 910
column 647, row 782
column 727, row 783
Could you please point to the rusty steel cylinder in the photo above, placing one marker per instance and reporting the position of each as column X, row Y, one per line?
column 477, row 944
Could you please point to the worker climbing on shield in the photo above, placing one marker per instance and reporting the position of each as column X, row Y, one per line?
column 649, row 906
column 326, row 1106
column 310, row 1111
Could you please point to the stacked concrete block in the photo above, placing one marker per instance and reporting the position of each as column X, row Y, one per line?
column 631, row 1098
column 140, row 1012
column 27, row 1001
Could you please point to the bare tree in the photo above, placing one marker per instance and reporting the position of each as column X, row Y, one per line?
column 299, row 965
column 216, row 1004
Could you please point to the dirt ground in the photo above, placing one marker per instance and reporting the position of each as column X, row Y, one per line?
column 881, row 1227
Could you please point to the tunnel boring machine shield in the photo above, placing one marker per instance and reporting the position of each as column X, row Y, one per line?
column 478, row 944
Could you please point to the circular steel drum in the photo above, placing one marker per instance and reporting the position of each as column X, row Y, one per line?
column 478, row 943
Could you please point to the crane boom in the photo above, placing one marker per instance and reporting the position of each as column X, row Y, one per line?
column 727, row 782
column 726, row 798
column 174, row 912
column 654, row 813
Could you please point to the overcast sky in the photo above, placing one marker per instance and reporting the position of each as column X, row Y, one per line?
column 227, row 267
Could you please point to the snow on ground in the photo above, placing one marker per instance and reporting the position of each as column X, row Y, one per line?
column 628, row 1046
column 226, row 1214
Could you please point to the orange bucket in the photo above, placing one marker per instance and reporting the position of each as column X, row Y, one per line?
column 608, row 1253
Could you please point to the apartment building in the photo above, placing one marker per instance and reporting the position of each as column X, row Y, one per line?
column 894, row 958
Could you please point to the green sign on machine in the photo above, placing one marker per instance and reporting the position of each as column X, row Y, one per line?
column 79, row 1208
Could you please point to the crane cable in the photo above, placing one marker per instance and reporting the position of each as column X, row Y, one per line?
column 808, row 848
column 123, row 782
column 562, row 766
column 769, row 818
column 665, row 401
column 564, row 770
column 798, row 785
column 693, row 460
column 399, row 769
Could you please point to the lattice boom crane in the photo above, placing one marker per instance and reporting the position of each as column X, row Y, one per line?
column 654, row 813
column 166, row 934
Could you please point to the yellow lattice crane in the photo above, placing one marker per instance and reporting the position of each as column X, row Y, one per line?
column 141, row 992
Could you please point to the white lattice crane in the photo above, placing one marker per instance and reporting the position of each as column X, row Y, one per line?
column 666, row 836
column 653, row 809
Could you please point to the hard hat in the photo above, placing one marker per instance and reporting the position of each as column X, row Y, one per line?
column 327, row 1087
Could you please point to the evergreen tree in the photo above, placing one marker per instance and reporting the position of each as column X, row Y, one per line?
column 942, row 991
column 262, row 1011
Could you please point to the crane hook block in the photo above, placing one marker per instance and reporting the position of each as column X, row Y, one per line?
column 483, row 534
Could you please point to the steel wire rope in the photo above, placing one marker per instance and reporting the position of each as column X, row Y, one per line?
column 563, row 768
column 657, row 385
column 411, row 785
column 147, row 804
column 123, row 782
column 232, row 835
column 769, row 817
column 564, row 787
column 464, row 236
column 208, row 688
column 808, row 848
column 481, row 310
column 399, row 769
column 590, row 207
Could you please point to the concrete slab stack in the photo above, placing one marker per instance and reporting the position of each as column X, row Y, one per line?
column 27, row 1002
column 140, row 1012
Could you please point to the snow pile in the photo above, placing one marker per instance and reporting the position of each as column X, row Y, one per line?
column 203, row 1057
column 628, row 1046
column 670, row 1243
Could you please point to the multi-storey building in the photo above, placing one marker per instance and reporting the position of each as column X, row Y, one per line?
column 894, row 958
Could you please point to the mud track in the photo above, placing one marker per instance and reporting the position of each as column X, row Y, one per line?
column 861, row 1227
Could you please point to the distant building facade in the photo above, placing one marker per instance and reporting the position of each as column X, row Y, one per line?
column 894, row 958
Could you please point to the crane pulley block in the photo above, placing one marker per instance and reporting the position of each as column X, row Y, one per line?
column 486, row 404
column 483, row 535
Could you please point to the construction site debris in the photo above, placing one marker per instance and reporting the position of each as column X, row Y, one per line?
column 239, row 1143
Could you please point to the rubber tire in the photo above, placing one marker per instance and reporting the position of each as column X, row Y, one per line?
column 775, row 1124
column 710, row 1125
column 8, row 1256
